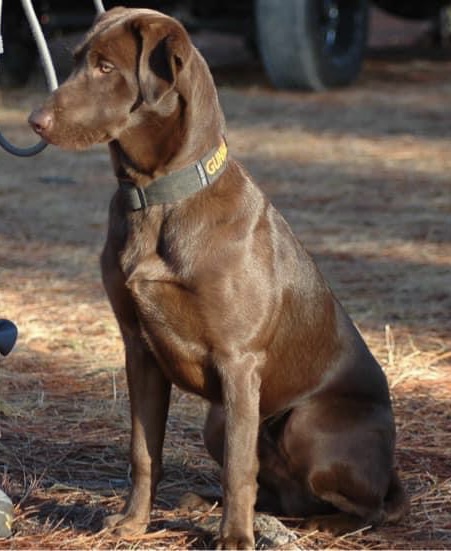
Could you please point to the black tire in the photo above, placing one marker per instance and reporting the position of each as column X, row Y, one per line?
column 312, row 44
column 412, row 9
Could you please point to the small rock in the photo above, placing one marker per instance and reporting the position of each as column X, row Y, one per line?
column 272, row 534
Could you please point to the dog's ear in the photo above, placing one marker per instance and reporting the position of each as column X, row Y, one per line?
column 165, row 50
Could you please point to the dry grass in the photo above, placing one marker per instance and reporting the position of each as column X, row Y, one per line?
column 363, row 177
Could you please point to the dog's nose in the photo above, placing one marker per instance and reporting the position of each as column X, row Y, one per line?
column 41, row 121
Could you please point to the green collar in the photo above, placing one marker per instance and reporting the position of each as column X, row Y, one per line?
column 176, row 185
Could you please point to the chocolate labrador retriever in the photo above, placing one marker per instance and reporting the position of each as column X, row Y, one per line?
column 213, row 292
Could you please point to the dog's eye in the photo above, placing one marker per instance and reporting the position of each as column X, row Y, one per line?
column 105, row 67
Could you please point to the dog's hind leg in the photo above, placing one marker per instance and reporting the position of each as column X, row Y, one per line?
column 394, row 507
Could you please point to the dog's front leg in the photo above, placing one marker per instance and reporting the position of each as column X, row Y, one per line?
column 149, row 392
column 240, row 389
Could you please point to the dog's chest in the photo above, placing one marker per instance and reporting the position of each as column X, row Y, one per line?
column 170, row 319
column 172, row 328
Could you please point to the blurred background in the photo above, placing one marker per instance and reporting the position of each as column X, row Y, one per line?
column 307, row 44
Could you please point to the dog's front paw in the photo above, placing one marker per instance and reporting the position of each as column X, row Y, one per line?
column 125, row 525
column 239, row 541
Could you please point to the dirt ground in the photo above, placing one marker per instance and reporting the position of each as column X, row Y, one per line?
column 361, row 174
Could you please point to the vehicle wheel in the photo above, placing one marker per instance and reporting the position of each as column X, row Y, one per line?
column 312, row 44
column 412, row 9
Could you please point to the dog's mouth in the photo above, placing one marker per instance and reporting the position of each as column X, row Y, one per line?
column 66, row 136
column 76, row 141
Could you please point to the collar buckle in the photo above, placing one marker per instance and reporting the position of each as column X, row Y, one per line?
column 135, row 197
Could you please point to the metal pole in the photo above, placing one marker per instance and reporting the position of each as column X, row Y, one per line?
column 50, row 76
column 99, row 6
column 49, row 70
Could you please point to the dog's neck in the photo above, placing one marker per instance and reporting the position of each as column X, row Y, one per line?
column 143, row 151
column 176, row 185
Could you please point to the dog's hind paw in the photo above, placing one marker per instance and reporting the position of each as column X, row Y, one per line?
column 195, row 502
column 337, row 524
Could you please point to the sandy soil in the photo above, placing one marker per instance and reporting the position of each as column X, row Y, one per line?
column 361, row 174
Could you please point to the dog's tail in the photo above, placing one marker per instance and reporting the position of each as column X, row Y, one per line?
column 396, row 502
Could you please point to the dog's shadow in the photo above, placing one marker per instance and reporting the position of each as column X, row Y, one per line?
column 81, row 512
column 84, row 518
column 201, row 525
column 76, row 515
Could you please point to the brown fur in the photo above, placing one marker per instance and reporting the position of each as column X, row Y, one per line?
column 215, row 294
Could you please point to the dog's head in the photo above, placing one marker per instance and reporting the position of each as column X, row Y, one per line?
column 131, row 69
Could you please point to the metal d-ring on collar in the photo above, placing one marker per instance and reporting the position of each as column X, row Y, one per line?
column 176, row 185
